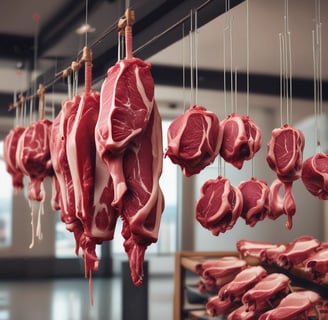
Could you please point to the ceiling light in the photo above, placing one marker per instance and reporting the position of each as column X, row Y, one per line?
column 85, row 28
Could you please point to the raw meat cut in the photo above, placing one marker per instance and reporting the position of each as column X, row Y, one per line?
column 215, row 306
column 276, row 200
column 194, row 139
column 33, row 156
column 267, row 293
column 244, row 280
column 297, row 251
column 63, row 178
column 215, row 273
column 143, row 202
column 285, row 153
column 242, row 313
column 255, row 200
column 285, row 157
column 9, row 155
column 293, row 307
column 126, row 103
column 219, row 206
column 33, row 159
column 263, row 250
column 242, row 138
column 315, row 175
column 92, row 183
column 318, row 263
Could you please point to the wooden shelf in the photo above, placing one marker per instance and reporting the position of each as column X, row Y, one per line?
column 187, row 261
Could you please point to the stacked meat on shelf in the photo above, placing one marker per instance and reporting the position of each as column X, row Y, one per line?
column 267, row 281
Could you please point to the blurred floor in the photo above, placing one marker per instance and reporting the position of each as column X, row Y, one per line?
column 68, row 299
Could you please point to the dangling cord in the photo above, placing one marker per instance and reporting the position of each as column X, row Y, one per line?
column 191, row 47
column 196, row 56
column 184, row 69
column 281, row 52
column 247, row 57
column 86, row 21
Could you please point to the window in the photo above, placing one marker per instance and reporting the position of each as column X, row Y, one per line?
column 6, row 194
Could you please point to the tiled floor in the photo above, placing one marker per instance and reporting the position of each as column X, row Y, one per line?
column 68, row 299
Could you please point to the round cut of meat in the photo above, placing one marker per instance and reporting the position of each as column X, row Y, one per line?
column 315, row 175
column 219, row 206
column 242, row 138
column 194, row 140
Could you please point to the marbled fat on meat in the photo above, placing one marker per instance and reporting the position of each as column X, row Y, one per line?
column 315, row 175
column 219, row 206
column 143, row 202
column 255, row 194
column 194, row 139
column 242, row 138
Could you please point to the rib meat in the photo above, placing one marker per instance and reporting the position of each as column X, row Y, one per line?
column 219, row 206
column 242, row 138
column 315, row 175
column 255, row 200
column 9, row 155
column 143, row 202
column 194, row 139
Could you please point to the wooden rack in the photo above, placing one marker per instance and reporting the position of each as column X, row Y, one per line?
column 187, row 261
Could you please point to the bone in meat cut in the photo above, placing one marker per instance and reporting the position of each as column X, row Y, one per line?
column 219, row 205
column 315, row 175
column 9, row 155
column 293, row 306
column 285, row 157
column 126, row 102
column 63, row 178
column 143, row 202
column 255, row 194
column 91, row 180
column 242, row 138
column 194, row 140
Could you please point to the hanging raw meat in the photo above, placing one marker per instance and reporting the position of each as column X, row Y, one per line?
column 315, row 175
column 255, row 200
column 9, row 155
column 296, row 305
column 219, row 206
column 242, row 138
column 92, row 184
column 194, row 139
column 143, row 202
column 285, row 157
column 126, row 102
column 62, row 180
column 33, row 159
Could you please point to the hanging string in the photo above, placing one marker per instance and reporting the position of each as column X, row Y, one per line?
column 196, row 57
column 184, row 70
column 191, row 48
column 317, row 72
column 247, row 57
column 281, row 76
column 86, row 22
column 236, row 89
